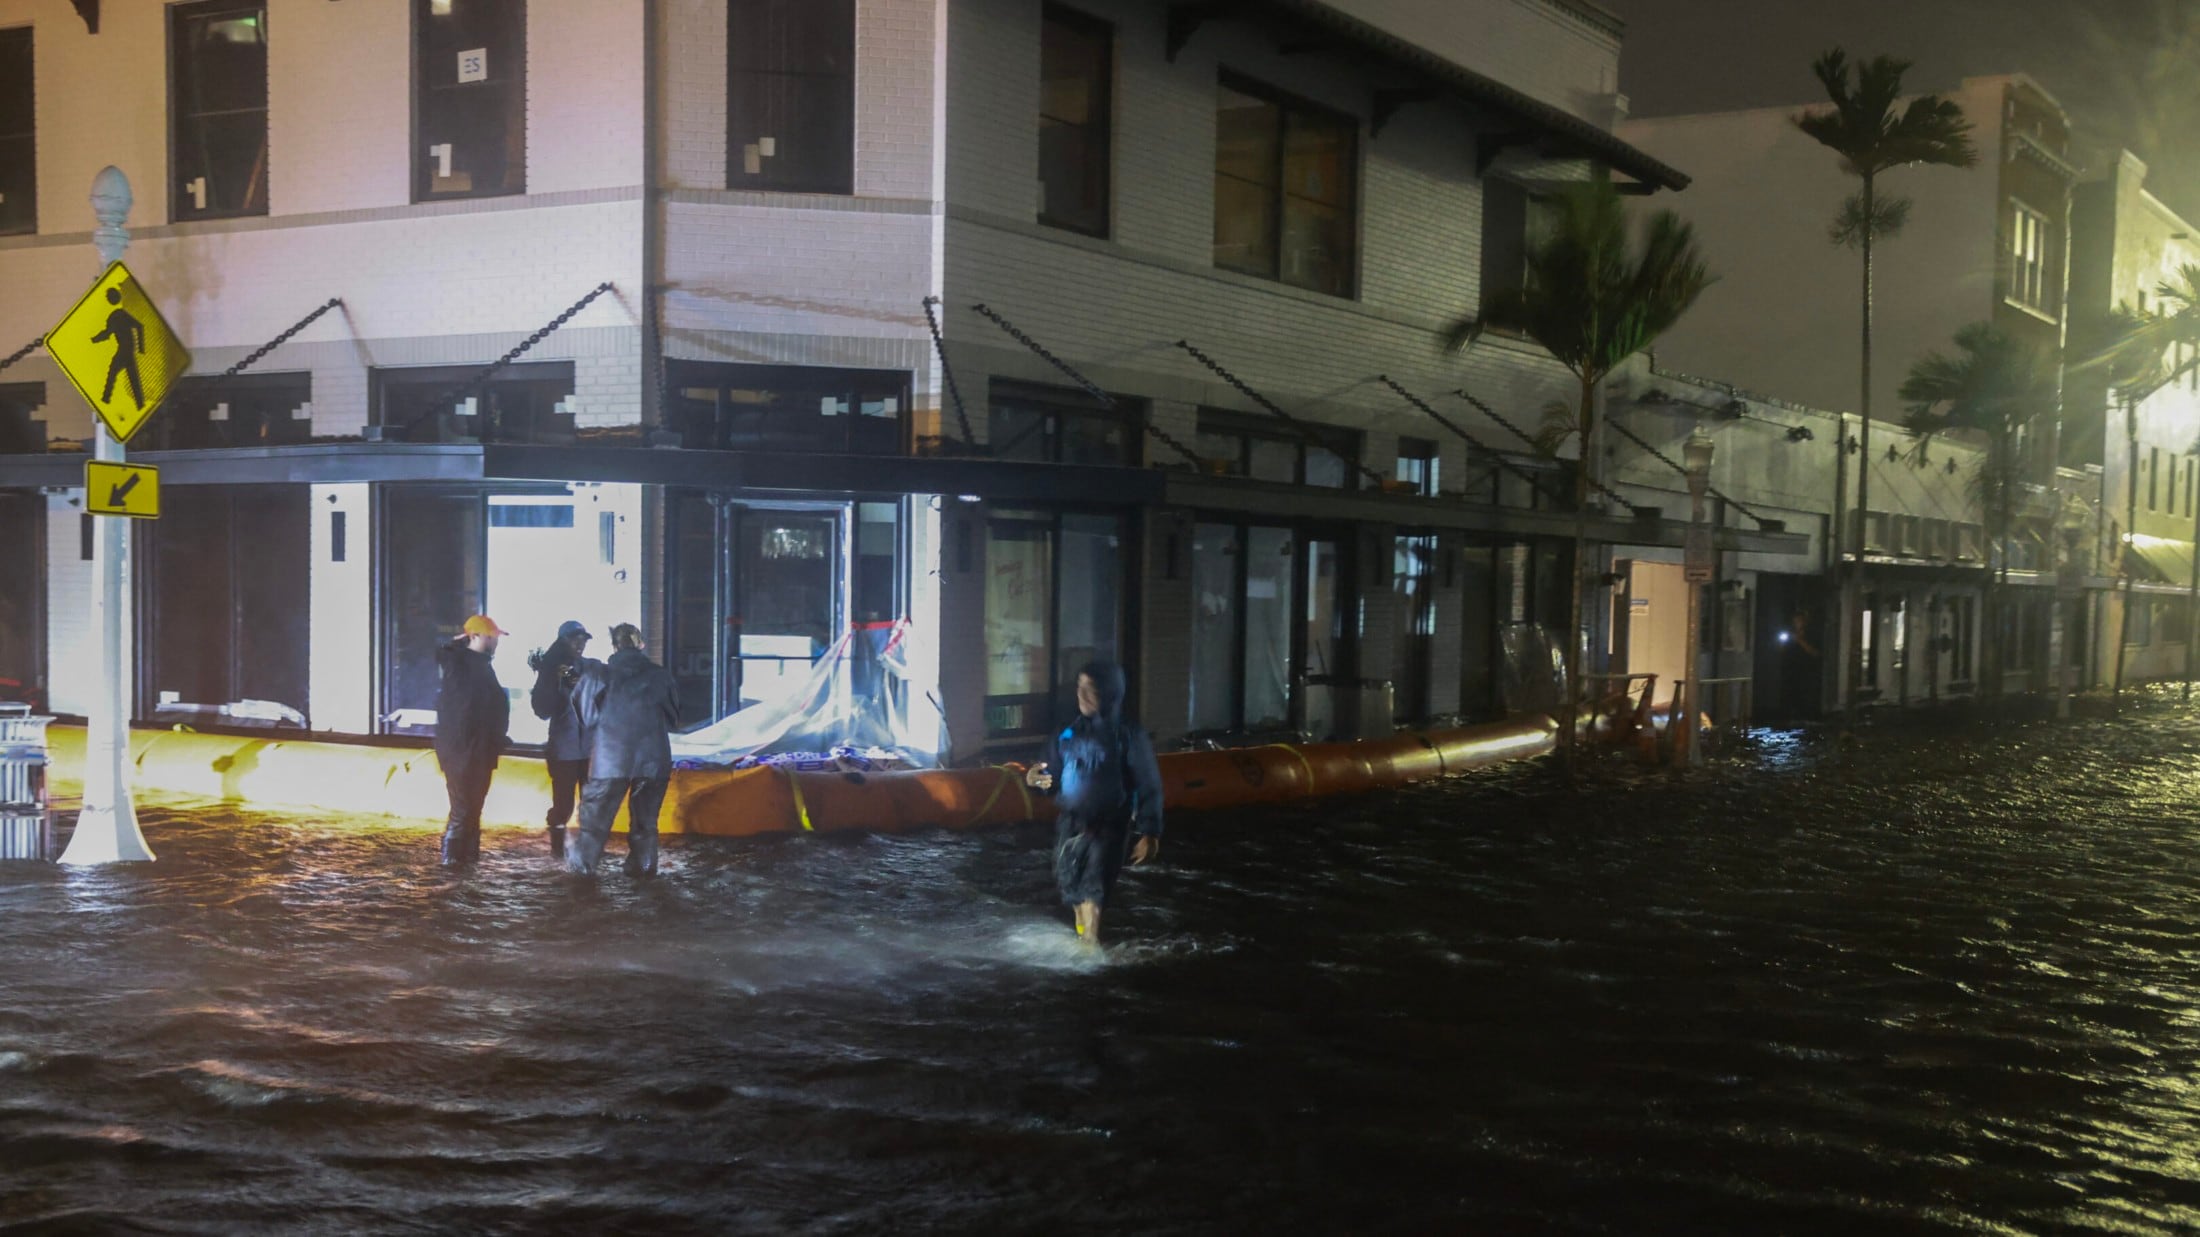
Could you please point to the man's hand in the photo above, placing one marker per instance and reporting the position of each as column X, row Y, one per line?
column 1145, row 848
column 1038, row 778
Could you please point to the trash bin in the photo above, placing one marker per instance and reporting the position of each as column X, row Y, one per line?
column 26, row 830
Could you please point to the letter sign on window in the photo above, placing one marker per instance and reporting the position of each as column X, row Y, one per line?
column 473, row 66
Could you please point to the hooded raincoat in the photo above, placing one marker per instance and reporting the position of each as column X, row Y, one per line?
column 1106, row 787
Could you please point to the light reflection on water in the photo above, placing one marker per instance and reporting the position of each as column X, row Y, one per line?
column 1912, row 980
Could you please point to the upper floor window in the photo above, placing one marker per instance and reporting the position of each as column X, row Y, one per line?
column 2028, row 259
column 1076, row 71
column 18, row 134
column 470, row 104
column 1265, row 452
column 531, row 402
column 1417, row 460
column 1056, row 427
column 217, row 113
column 248, row 410
column 791, row 95
column 1286, row 177
column 21, row 430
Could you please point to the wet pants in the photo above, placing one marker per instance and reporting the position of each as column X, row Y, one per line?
column 462, row 832
column 600, row 799
column 566, row 777
column 1088, row 855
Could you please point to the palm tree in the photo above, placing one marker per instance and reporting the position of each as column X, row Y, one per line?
column 2002, row 388
column 2143, row 352
column 1865, row 128
column 1592, row 297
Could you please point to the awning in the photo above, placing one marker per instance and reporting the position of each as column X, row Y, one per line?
column 2162, row 560
column 1427, row 75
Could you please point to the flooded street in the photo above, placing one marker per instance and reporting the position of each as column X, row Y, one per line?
column 1918, row 980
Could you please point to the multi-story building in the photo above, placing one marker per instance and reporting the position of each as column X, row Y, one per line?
column 1985, row 244
column 1202, row 237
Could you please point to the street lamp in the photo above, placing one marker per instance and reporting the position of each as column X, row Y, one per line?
column 1700, row 564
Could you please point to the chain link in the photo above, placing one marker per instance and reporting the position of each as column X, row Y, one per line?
column 1524, row 436
column 1105, row 399
column 947, row 371
column 1497, row 457
column 22, row 352
column 1305, row 430
column 473, row 386
column 279, row 340
column 1667, row 460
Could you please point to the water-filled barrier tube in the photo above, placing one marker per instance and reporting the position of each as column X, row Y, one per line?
column 358, row 779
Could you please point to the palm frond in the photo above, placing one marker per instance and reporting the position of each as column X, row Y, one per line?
column 1849, row 226
column 1864, row 127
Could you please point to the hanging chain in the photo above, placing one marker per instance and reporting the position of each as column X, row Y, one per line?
column 1528, row 438
column 947, row 370
column 1667, row 460
column 472, row 387
column 22, row 352
column 1305, row 430
column 1105, row 399
column 1497, row 457
column 279, row 340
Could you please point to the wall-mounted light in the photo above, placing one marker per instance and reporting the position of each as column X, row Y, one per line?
column 1800, row 433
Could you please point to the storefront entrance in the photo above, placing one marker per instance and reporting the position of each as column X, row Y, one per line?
column 1273, row 629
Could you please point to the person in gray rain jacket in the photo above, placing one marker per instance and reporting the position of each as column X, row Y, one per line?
column 627, row 707
column 558, row 670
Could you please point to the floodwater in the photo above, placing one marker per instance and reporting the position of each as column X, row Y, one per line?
column 1921, row 979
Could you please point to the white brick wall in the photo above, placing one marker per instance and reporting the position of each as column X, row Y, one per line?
column 340, row 684
column 72, row 647
column 584, row 95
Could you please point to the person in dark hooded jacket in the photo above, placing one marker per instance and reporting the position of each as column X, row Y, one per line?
column 1107, row 787
column 628, row 707
column 473, row 717
column 558, row 670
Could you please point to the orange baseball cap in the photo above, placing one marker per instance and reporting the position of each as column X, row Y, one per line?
column 483, row 625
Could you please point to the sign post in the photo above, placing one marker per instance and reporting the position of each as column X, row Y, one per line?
column 122, row 357
column 1699, row 566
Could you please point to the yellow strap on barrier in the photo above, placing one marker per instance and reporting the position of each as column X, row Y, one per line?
column 1008, row 777
column 1304, row 763
column 801, row 809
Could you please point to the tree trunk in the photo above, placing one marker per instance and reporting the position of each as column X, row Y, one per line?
column 2123, row 557
column 1570, row 719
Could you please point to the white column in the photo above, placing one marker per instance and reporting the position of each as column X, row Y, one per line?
column 107, row 827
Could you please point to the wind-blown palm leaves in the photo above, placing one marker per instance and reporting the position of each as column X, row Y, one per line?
column 1593, row 297
column 2147, row 350
column 1997, row 385
column 1872, row 135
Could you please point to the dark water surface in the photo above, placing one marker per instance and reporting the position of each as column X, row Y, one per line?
column 1922, row 980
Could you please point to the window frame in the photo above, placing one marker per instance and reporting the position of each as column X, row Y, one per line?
column 1103, row 30
column 1424, row 451
column 179, row 208
column 422, row 183
column 176, row 427
column 721, row 376
column 1288, row 104
column 1052, row 700
column 382, row 378
column 27, row 225
column 2027, row 271
column 1056, row 402
column 843, row 181
column 1218, row 422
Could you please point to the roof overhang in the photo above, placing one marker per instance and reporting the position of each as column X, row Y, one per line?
column 1414, row 74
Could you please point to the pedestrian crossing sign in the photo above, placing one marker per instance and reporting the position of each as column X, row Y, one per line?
column 118, row 352
column 122, row 489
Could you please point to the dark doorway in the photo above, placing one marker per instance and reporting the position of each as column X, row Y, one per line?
column 1792, row 632
column 433, row 565
column 23, row 597
column 223, row 585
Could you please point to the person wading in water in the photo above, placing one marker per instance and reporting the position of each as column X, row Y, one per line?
column 1109, row 787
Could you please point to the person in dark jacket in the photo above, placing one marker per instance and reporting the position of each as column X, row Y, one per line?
column 1108, row 788
column 627, row 707
column 558, row 671
column 472, row 719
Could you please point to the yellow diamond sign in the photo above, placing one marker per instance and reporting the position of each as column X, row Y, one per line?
column 119, row 352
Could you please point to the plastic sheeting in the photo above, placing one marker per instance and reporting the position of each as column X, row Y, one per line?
column 1534, row 670
column 853, row 711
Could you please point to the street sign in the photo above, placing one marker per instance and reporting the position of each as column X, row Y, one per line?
column 118, row 352
column 1700, row 558
column 122, row 489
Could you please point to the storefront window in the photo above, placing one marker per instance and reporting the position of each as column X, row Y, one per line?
column 531, row 403
column 249, row 410
column 22, row 431
column 1271, row 451
column 432, row 579
column 1054, row 601
column 1268, row 671
column 1215, row 557
column 1060, row 427
column 22, row 613
column 787, row 408
column 226, row 569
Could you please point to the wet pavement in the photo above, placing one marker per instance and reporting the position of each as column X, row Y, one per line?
column 1919, row 979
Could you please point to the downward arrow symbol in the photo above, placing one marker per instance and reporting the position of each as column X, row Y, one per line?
column 122, row 491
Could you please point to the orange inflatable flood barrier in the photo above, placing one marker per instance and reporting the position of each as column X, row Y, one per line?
column 406, row 782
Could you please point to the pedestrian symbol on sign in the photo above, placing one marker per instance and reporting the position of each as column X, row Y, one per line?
column 118, row 352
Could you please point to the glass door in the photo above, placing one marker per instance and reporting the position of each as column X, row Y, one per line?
column 1322, row 663
column 789, row 591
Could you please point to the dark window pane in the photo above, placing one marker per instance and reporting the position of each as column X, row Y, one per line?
column 1273, row 460
column 1285, row 190
column 1019, row 433
column 1248, row 137
column 251, row 410
column 218, row 109
column 1317, row 203
column 528, row 403
column 22, row 604
column 790, row 95
column 1074, row 121
column 22, row 431
column 788, row 407
column 18, row 143
column 471, row 80
column 434, row 542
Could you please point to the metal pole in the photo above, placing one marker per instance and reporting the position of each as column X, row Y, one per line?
column 107, row 827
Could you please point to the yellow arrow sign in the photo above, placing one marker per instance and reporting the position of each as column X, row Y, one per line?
column 118, row 352
column 122, row 489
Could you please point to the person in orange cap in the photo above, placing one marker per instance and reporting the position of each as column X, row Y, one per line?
column 473, row 718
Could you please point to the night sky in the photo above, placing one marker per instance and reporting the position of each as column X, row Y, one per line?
column 2128, row 71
